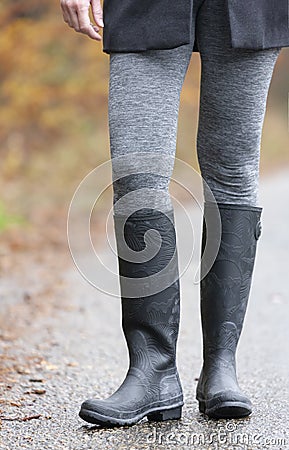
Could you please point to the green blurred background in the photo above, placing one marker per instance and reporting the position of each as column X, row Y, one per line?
column 53, row 112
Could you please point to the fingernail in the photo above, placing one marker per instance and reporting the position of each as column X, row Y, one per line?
column 101, row 23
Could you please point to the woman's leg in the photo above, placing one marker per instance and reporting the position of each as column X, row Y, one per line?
column 143, row 113
column 144, row 96
column 234, row 90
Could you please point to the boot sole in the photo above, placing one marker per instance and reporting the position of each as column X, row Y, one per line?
column 153, row 415
column 226, row 410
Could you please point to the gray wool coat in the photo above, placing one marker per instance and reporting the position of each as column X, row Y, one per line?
column 137, row 25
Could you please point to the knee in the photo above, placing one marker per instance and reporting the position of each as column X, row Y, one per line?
column 232, row 184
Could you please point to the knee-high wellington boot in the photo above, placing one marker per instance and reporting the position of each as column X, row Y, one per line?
column 224, row 296
column 150, row 324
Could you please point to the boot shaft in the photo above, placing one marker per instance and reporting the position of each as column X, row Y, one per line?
column 149, row 284
column 225, row 288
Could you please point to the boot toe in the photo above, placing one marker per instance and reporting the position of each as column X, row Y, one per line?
column 97, row 411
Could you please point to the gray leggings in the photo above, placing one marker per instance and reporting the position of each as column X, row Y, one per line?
column 144, row 93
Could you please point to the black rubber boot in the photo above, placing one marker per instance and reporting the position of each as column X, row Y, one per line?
column 150, row 324
column 225, row 290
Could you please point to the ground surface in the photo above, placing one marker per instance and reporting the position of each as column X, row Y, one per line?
column 61, row 343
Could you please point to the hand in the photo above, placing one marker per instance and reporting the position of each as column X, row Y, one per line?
column 76, row 15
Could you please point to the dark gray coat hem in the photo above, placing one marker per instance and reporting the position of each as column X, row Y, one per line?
column 109, row 50
column 235, row 45
column 262, row 44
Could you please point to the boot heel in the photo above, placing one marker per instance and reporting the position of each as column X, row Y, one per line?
column 165, row 414
column 202, row 407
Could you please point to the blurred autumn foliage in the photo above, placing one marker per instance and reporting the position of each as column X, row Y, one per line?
column 53, row 106
column 53, row 83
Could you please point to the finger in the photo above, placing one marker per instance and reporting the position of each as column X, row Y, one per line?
column 95, row 27
column 85, row 25
column 97, row 12
column 65, row 13
column 73, row 17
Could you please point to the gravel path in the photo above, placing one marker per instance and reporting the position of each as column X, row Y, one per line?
column 73, row 348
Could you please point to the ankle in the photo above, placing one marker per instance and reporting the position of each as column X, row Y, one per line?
column 221, row 357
